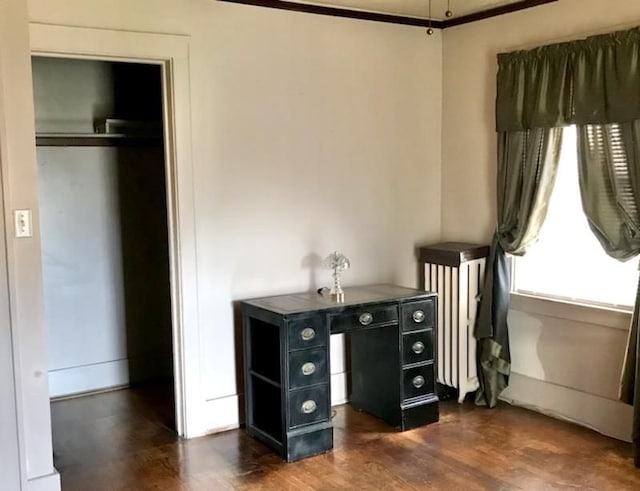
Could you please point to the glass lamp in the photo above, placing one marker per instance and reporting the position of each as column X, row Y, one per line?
column 338, row 262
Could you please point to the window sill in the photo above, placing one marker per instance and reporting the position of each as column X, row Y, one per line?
column 562, row 309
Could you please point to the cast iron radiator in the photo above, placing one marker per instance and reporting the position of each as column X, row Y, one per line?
column 456, row 272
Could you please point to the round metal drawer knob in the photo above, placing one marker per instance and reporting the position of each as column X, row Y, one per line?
column 308, row 333
column 418, row 316
column 418, row 381
column 309, row 368
column 418, row 347
column 309, row 406
column 366, row 319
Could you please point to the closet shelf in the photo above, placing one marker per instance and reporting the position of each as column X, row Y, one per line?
column 95, row 140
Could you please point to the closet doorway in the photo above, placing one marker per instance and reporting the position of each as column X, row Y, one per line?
column 102, row 178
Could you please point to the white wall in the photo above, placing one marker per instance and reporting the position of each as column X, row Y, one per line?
column 24, row 269
column 310, row 134
column 69, row 95
column 563, row 364
column 82, row 269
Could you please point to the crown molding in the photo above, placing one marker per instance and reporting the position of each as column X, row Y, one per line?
column 494, row 12
column 390, row 18
column 339, row 12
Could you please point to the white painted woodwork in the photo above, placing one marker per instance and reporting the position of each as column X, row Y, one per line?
column 414, row 8
column 457, row 289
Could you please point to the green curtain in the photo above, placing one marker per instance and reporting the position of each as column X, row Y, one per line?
column 609, row 169
column 591, row 81
column 595, row 84
column 527, row 165
column 534, row 89
column 629, row 386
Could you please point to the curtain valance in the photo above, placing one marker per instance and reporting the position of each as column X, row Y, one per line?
column 591, row 81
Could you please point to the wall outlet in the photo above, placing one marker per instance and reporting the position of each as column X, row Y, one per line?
column 23, row 223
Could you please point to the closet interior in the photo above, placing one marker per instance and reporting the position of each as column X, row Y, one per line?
column 105, row 243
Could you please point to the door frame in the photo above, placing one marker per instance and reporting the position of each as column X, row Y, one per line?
column 171, row 53
column 11, row 454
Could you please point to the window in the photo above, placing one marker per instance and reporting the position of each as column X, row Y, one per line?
column 555, row 268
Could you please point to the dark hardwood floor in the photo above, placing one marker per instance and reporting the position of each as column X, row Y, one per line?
column 118, row 440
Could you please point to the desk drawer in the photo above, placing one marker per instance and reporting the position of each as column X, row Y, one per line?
column 418, row 381
column 364, row 317
column 307, row 367
column 309, row 332
column 308, row 405
column 417, row 347
column 418, row 315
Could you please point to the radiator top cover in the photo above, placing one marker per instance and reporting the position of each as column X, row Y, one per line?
column 452, row 253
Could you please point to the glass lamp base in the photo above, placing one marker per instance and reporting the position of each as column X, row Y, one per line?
column 338, row 297
column 337, row 294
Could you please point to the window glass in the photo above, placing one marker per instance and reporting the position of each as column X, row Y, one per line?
column 568, row 262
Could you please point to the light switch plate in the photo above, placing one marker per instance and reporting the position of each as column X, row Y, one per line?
column 23, row 223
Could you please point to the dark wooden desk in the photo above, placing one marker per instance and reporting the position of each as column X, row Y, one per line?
column 286, row 363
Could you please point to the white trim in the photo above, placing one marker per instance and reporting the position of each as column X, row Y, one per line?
column 221, row 414
column 88, row 378
column 561, row 309
column 607, row 416
column 172, row 53
column 28, row 451
column 11, row 454
column 50, row 482
column 12, row 466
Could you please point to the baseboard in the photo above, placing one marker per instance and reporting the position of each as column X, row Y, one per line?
column 50, row 482
column 339, row 393
column 607, row 416
column 221, row 414
column 88, row 378
column 89, row 393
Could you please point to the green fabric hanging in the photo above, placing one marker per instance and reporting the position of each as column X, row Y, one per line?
column 595, row 84
column 591, row 81
column 609, row 169
column 534, row 89
column 629, row 386
column 608, row 165
column 493, row 354
column 606, row 78
column 527, row 165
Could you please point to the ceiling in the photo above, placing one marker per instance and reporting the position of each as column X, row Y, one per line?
column 413, row 8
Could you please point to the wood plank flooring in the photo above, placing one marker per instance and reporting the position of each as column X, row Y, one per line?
column 120, row 441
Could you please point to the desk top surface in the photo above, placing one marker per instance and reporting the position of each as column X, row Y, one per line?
column 353, row 296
